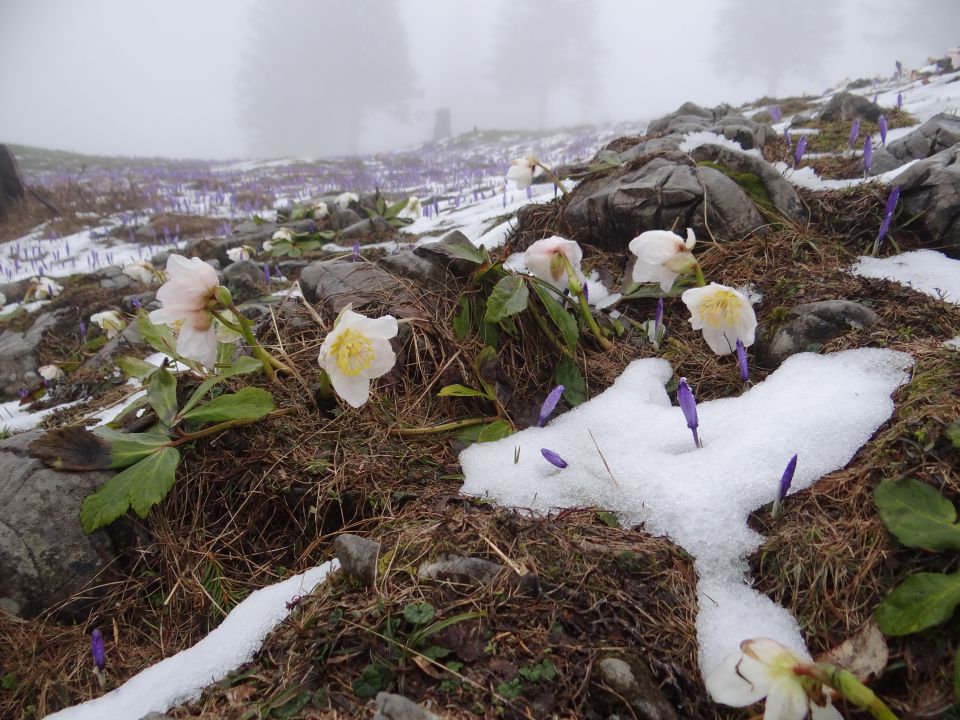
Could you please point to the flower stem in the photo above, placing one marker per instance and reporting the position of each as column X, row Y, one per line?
column 444, row 427
column 226, row 425
column 542, row 324
column 573, row 282
column 270, row 363
column 698, row 273
column 553, row 176
column 846, row 683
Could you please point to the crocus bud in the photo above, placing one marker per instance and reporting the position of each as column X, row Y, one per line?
column 867, row 155
column 882, row 122
column 788, row 138
column 785, row 480
column 551, row 457
column 742, row 361
column 689, row 407
column 798, row 153
column 887, row 217
column 549, row 405
column 356, row 251
column 854, row 133
column 97, row 650
column 899, row 101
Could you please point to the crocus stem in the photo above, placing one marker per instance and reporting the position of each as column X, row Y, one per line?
column 846, row 683
column 576, row 289
column 445, row 427
column 553, row 176
column 698, row 273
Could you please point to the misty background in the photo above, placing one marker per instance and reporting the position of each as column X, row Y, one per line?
column 250, row 78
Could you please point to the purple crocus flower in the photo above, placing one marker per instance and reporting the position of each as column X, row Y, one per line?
column 742, row 361
column 689, row 407
column 798, row 153
column 658, row 319
column 266, row 274
column 854, row 133
column 899, row 101
column 549, row 405
column 775, row 113
column 788, row 138
column 887, row 217
column 97, row 650
column 356, row 251
column 867, row 155
column 83, row 330
column 787, row 478
column 135, row 301
column 551, row 457
column 882, row 122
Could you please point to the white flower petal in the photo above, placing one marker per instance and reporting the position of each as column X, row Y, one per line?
column 729, row 687
column 199, row 345
column 355, row 389
column 786, row 701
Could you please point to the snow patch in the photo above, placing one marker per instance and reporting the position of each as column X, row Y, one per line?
column 926, row 271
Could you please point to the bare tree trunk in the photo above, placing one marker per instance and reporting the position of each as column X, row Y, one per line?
column 11, row 186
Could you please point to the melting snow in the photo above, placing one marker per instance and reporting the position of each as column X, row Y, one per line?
column 822, row 407
column 926, row 271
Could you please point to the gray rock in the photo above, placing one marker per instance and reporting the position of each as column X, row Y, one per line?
column 413, row 267
column 436, row 253
column 396, row 707
column 813, row 324
column 11, row 184
column 630, row 683
column 847, row 107
column 665, row 191
column 18, row 355
column 722, row 120
column 112, row 278
column 358, row 557
column 128, row 340
column 245, row 280
column 374, row 229
column 456, row 568
column 782, row 193
column 930, row 192
column 45, row 557
column 937, row 134
column 338, row 283
column 340, row 218
column 649, row 147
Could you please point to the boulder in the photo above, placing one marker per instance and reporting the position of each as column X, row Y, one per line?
column 245, row 280
column 18, row 354
column 930, row 192
column 721, row 120
column 45, row 557
column 374, row 229
column 937, row 134
column 663, row 192
column 413, row 267
column 340, row 283
column 811, row 325
column 847, row 107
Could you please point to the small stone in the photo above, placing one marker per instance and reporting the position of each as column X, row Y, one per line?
column 244, row 280
column 456, row 568
column 396, row 707
column 630, row 683
column 813, row 324
column 358, row 557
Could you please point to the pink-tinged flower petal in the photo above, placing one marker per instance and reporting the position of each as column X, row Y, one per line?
column 199, row 345
column 165, row 316
column 543, row 260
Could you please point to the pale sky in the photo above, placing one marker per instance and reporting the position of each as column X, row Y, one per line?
column 141, row 77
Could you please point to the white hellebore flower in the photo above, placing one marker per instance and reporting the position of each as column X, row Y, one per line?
column 141, row 271
column 766, row 669
column 238, row 254
column 283, row 234
column 345, row 198
column 545, row 260
column 267, row 246
column 185, row 296
column 51, row 373
column 110, row 321
column 357, row 351
column 662, row 256
column 320, row 210
column 412, row 209
column 44, row 288
column 723, row 314
column 522, row 171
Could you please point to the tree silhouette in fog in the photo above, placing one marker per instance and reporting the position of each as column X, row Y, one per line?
column 770, row 40
column 541, row 49
column 314, row 69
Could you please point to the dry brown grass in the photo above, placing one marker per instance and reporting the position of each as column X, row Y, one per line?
column 258, row 502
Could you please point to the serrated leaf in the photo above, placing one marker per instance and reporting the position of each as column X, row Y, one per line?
column 130, row 448
column 461, row 321
column 135, row 367
column 918, row 515
column 508, row 297
column 159, row 337
column 565, row 322
column 497, row 430
column 457, row 390
column 248, row 403
column 574, row 386
column 140, row 486
column 462, row 251
column 419, row 613
column 922, row 601
column 162, row 395
column 243, row 365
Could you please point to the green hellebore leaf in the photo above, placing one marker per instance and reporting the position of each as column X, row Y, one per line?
column 463, row 251
column 921, row 601
column 140, row 486
column 135, row 367
column 419, row 613
column 457, row 390
column 130, row 448
column 568, row 375
column 249, row 403
column 918, row 515
column 496, row 430
column 159, row 337
column 162, row 395
column 243, row 365
column 564, row 321
column 461, row 321
column 509, row 296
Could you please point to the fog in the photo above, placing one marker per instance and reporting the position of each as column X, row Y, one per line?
column 236, row 78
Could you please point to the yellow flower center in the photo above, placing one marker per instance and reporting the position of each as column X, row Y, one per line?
column 353, row 352
column 720, row 310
